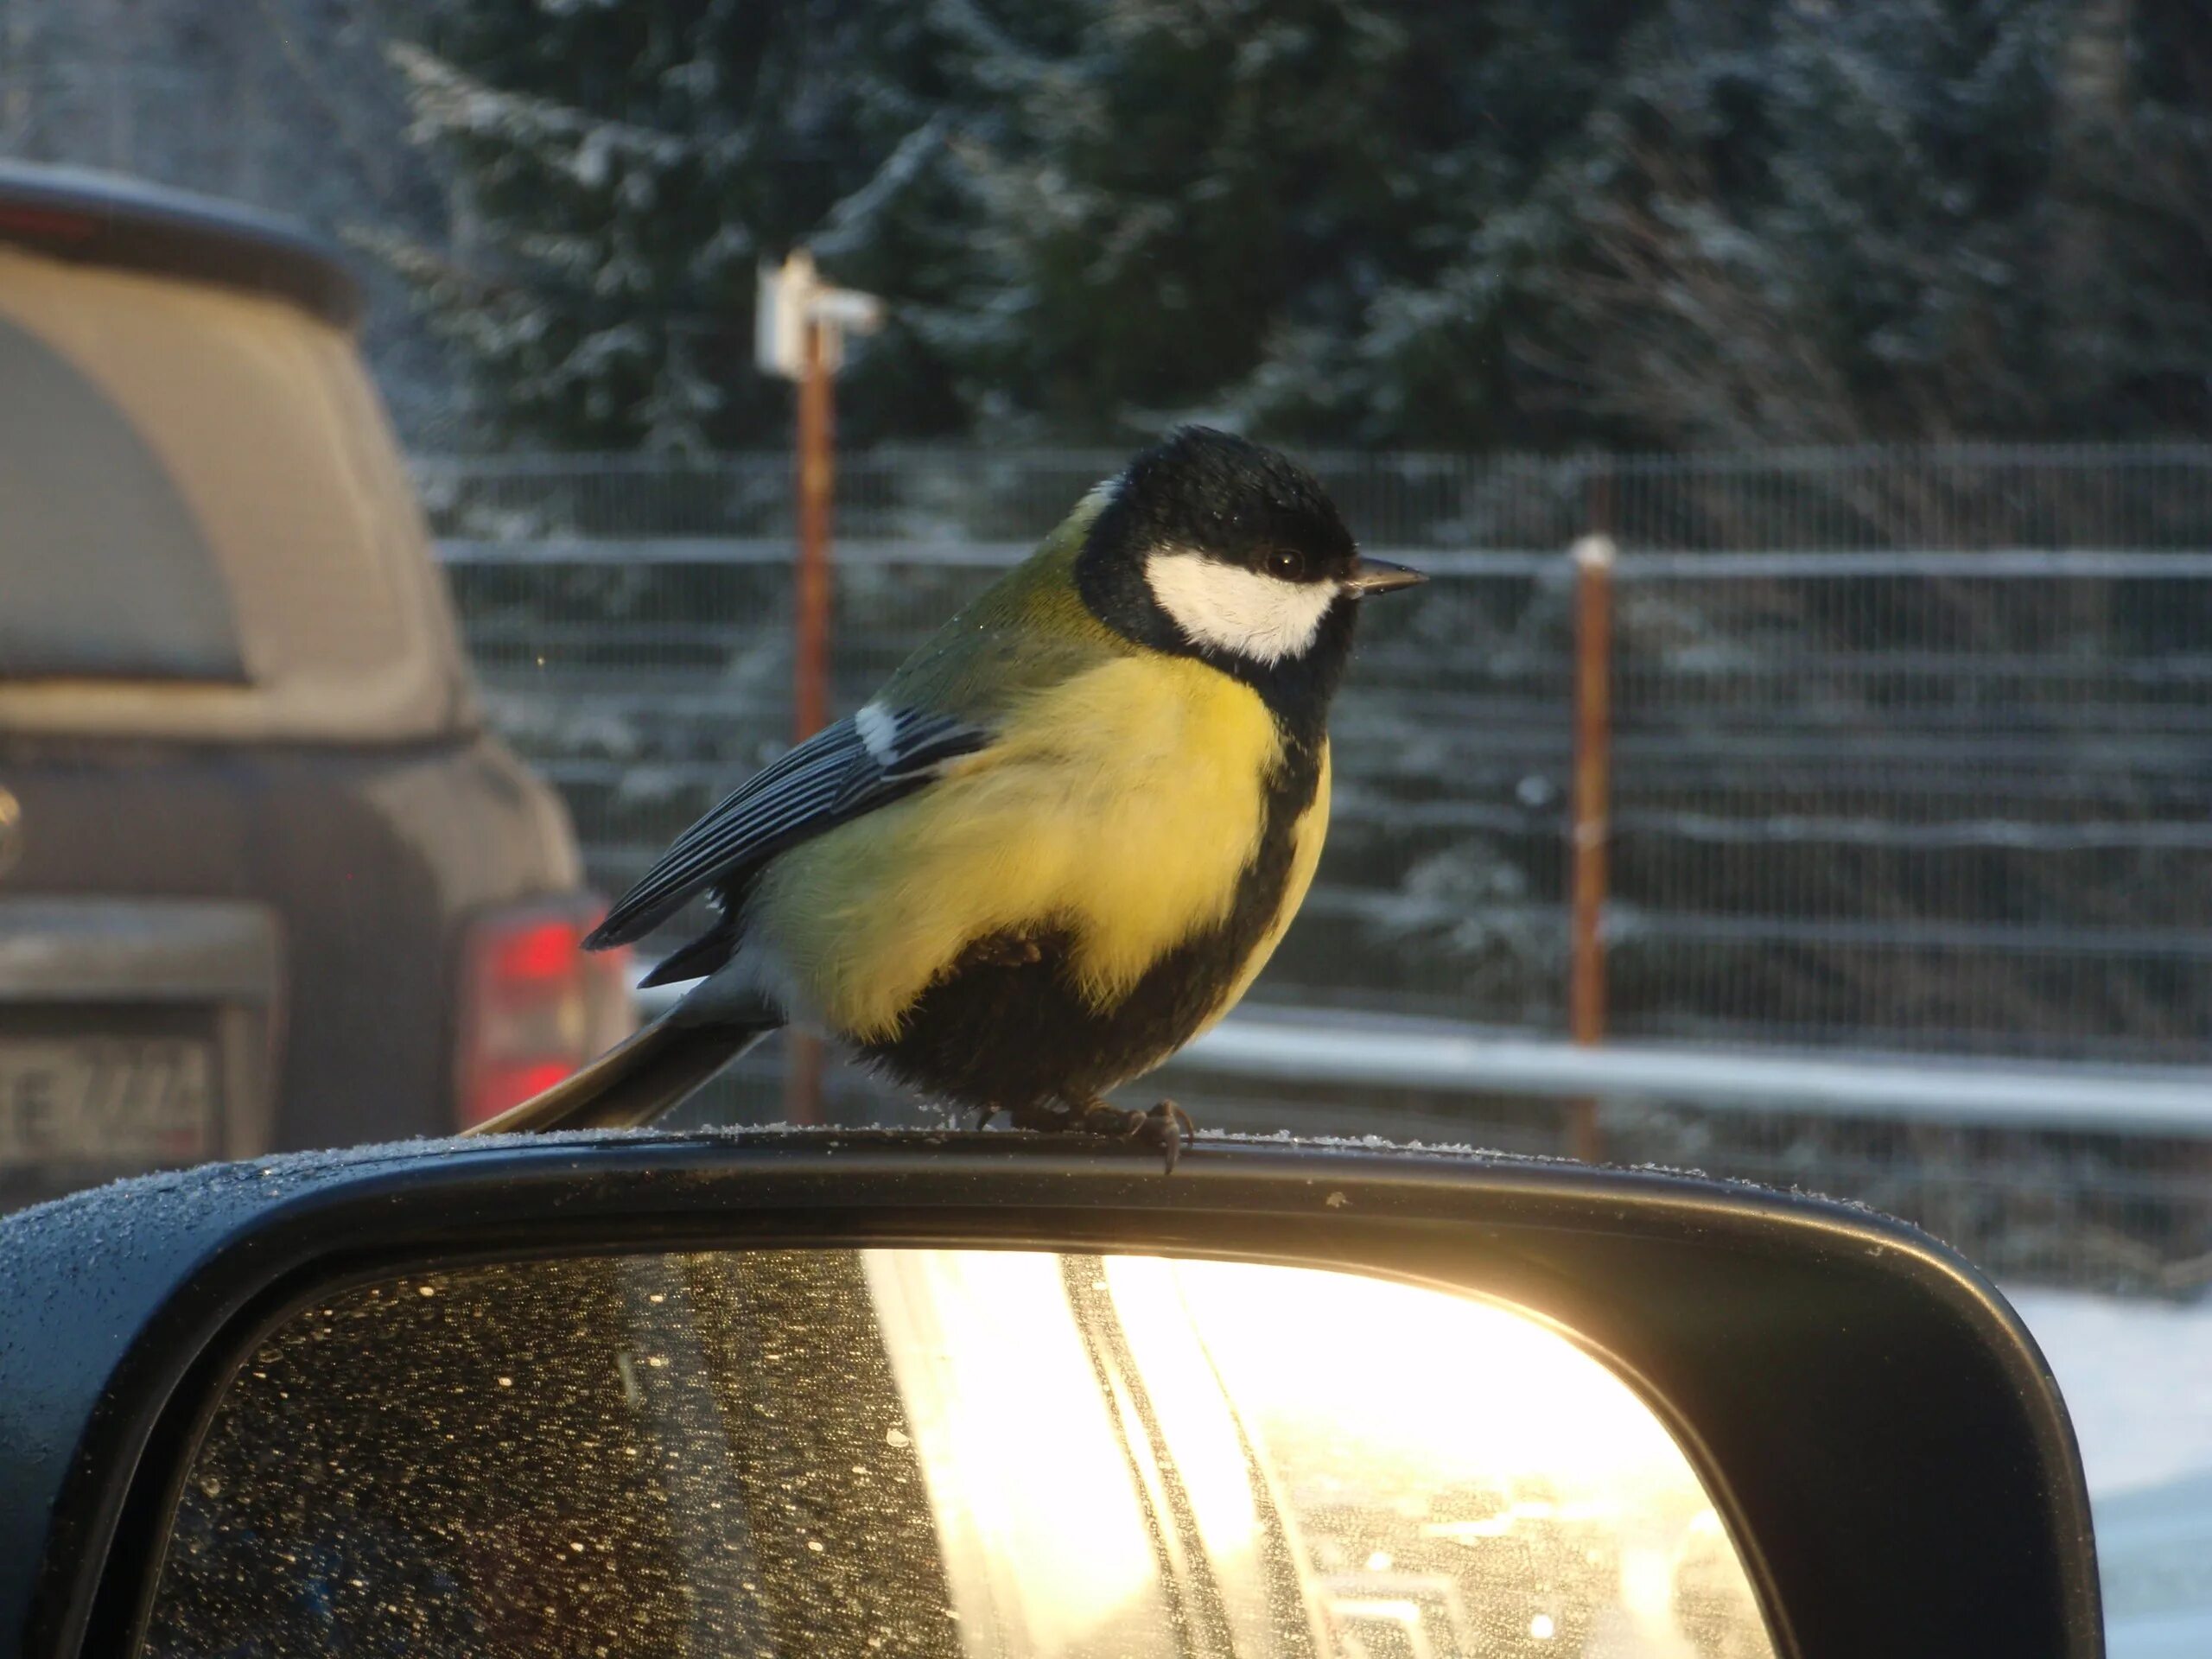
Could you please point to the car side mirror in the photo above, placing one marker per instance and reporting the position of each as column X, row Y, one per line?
column 889, row 1395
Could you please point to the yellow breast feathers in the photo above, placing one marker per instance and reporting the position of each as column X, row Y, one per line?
column 1121, row 805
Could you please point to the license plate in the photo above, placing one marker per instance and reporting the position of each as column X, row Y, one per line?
column 116, row 1101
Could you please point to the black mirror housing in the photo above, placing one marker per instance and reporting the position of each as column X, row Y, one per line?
column 1880, row 1434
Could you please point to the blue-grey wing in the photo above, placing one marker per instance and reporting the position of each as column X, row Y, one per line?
column 844, row 770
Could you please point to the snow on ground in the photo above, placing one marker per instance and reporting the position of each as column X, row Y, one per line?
column 2137, row 1381
column 2136, row 1376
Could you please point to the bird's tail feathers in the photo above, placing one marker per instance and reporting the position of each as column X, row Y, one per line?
column 633, row 1083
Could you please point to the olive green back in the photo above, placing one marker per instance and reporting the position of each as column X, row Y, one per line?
column 1029, row 630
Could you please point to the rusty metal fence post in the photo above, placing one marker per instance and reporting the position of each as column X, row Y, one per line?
column 816, row 490
column 799, row 326
column 810, row 640
column 1593, row 557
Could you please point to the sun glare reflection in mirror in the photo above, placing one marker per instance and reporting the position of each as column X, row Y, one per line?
column 1464, row 1385
column 999, row 1384
column 1454, row 1476
column 1465, row 1457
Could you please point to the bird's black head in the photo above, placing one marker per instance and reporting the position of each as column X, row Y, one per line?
column 1213, row 547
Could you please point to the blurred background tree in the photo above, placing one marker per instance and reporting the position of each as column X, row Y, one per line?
column 1508, row 224
column 1652, row 223
column 620, row 169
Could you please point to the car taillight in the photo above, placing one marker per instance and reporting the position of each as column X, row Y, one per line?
column 535, row 1005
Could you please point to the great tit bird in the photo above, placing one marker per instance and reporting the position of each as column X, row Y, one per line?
column 1059, row 842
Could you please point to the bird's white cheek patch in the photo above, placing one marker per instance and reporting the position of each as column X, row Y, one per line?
column 1233, row 609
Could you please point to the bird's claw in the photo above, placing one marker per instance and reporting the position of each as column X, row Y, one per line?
column 1163, row 1127
column 1166, row 1126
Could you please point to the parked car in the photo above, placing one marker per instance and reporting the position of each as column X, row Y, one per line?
column 996, row 1396
column 265, row 879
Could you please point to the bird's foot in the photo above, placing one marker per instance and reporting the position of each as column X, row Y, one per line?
column 1164, row 1129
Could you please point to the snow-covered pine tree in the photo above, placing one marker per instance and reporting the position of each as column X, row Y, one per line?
column 1521, row 224
column 1310, row 216
column 622, row 167
column 1898, row 219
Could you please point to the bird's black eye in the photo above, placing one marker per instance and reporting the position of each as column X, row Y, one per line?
column 1288, row 563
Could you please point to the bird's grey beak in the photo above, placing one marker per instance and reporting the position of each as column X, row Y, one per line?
column 1380, row 576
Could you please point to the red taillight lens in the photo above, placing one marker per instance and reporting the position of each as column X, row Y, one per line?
column 535, row 1005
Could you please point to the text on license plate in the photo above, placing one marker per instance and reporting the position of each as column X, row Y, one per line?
column 106, row 1100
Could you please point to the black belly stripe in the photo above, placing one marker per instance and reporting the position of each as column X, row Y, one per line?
column 1006, row 1028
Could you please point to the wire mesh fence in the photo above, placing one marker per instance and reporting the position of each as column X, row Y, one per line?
column 1912, row 749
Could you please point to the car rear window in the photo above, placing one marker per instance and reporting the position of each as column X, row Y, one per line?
column 105, row 570
column 198, row 483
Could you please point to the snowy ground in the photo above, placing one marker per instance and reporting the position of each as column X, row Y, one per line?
column 2138, row 1379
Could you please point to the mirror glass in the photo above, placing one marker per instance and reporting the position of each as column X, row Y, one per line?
column 992, row 1454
